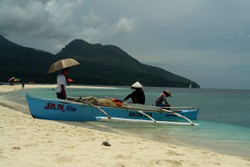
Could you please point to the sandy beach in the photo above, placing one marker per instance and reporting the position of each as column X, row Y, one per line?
column 30, row 142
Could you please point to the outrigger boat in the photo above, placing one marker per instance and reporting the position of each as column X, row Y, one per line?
column 89, row 109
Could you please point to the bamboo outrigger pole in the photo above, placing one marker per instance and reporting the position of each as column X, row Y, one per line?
column 114, row 119
column 147, row 115
column 163, row 110
column 100, row 110
column 129, row 108
column 178, row 115
column 180, row 107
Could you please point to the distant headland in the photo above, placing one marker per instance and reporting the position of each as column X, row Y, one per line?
column 100, row 65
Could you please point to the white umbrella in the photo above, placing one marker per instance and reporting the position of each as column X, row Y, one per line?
column 12, row 79
column 61, row 64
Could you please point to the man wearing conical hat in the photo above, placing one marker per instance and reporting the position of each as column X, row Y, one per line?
column 137, row 95
column 163, row 98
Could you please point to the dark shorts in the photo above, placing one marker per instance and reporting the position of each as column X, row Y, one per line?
column 160, row 104
column 60, row 95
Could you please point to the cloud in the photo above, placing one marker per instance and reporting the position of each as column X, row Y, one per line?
column 35, row 18
column 92, row 20
column 125, row 25
column 58, row 21
column 210, row 35
column 98, row 29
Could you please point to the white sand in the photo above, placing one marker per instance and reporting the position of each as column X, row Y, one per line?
column 30, row 142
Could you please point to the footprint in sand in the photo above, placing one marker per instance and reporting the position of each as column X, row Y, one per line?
column 119, row 165
column 171, row 146
column 170, row 152
column 69, row 147
column 205, row 152
column 123, row 157
column 63, row 159
column 167, row 162
column 50, row 141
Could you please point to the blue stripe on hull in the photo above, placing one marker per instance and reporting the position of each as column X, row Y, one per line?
column 70, row 111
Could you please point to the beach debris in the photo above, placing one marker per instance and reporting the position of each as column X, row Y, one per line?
column 16, row 148
column 106, row 143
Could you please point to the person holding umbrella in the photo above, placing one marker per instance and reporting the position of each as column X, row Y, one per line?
column 61, row 84
column 63, row 65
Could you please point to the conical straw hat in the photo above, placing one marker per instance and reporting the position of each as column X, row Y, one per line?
column 168, row 92
column 61, row 64
column 136, row 85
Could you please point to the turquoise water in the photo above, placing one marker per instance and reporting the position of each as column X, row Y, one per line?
column 224, row 116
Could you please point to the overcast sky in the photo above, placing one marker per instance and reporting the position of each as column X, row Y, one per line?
column 207, row 41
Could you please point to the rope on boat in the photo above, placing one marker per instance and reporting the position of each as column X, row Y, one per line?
column 147, row 115
column 84, row 102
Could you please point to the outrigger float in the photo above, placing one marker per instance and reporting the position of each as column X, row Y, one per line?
column 92, row 109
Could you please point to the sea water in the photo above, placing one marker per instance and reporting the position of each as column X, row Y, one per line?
column 224, row 116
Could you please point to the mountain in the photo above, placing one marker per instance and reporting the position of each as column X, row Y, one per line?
column 27, row 63
column 109, row 65
column 100, row 65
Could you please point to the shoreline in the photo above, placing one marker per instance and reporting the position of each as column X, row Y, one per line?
column 9, row 88
column 36, row 142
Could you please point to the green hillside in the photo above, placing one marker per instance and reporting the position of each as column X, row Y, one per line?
column 108, row 64
column 100, row 65
column 27, row 63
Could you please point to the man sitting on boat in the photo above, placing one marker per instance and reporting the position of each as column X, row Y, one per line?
column 138, row 95
column 163, row 98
